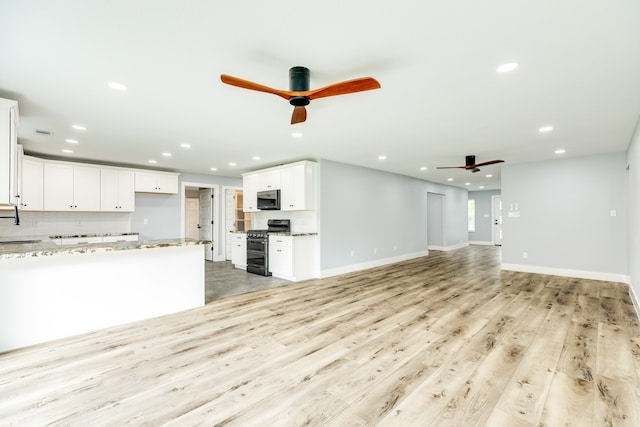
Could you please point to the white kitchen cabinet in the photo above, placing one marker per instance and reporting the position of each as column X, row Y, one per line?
column 124, row 238
column 250, row 192
column 298, row 187
column 8, row 152
column 70, row 187
column 117, row 190
column 269, row 180
column 32, row 183
column 156, row 182
column 292, row 257
column 239, row 250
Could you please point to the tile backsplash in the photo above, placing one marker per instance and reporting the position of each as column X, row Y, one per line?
column 56, row 223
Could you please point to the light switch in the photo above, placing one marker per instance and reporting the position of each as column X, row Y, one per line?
column 613, row 212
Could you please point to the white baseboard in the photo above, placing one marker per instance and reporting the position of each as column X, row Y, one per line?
column 449, row 248
column 481, row 242
column 370, row 264
column 634, row 299
column 580, row 274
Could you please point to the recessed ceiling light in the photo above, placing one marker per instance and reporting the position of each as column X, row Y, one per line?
column 256, row 157
column 489, row 176
column 467, row 183
column 423, row 168
column 166, row 154
column 185, row 145
column 296, row 134
column 67, row 151
column 382, row 157
column 153, row 161
column 449, row 179
column 117, row 86
column 560, row 151
column 482, row 187
column 71, row 141
column 233, row 164
column 214, row 169
column 78, row 127
column 544, row 129
column 505, row 68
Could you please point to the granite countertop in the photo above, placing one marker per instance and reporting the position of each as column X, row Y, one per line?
column 72, row 236
column 47, row 247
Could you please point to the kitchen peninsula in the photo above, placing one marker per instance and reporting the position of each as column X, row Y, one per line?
column 50, row 291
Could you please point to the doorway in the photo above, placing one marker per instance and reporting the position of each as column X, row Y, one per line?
column 435, row 221
column 496, row 219
column 200, row 216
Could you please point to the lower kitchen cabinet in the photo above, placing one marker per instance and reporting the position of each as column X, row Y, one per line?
column 292, row 257
column 239, row 250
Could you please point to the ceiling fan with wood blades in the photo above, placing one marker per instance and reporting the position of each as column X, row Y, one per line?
column 299, row 95
column 470, row 164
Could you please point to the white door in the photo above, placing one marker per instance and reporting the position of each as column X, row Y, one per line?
column 497, row 220
column 206, row 220
column 192, row 215
column 229, row 219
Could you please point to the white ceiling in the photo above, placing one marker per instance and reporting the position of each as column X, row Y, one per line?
column 441, row 97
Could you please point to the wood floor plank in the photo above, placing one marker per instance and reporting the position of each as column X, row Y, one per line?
column 443, row 340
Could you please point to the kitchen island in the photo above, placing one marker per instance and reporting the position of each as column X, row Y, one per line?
column 49, row 291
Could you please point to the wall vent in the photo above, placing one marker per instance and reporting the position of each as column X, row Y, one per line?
column 43, row 132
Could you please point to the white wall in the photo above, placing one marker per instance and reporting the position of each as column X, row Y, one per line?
column 633, row 252
column 379, row 216
column 565, row 224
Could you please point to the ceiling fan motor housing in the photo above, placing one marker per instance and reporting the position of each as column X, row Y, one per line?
column 299, row 82
column 470, row 160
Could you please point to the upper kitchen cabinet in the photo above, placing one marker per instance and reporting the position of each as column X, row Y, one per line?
column 71, row 187
column 156, row 182
column 250, row 192
column 32, row 194
column 117, row 190
column 298, row 182
column 8, row 152
column 269, row 180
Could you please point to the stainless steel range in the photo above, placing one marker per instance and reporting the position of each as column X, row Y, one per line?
column 258, row 246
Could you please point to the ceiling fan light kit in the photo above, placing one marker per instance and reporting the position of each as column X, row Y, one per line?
column 299, row 95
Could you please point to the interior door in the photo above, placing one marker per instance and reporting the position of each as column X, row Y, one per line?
column 497, row 220
column 206, row 219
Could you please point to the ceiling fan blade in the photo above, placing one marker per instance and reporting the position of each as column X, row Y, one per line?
column 299, row 115
column 490, row 162
column 451, row 167
column 343, row 88
column 246, row 84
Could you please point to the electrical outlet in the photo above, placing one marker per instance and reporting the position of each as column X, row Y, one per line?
column 352, row 252
column 525, row 255
column 145, row 221
column 395, row 248
column 375, row 251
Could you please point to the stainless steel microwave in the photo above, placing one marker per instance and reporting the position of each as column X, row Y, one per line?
column 269, row 200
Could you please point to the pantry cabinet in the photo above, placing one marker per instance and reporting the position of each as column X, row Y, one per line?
column 32, row 183
column 117, row 190
column 70, row 187
column 156, row 182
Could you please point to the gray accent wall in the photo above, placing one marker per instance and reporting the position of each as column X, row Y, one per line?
column 560, row 213
column 376, row 215
column 633, row 251
column 484, row 226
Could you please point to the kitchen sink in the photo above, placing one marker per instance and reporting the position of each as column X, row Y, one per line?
column 14, row 242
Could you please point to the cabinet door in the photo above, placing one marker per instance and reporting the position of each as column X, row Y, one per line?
column 108, row 190
column 269, row 180
column 32, row 197
column 86, row 188
column 145, row 182
column 126, row 194
column 293, row 188
column 250, row 192
column 281, row 260
column 58, row 187
column 167, row 184
column 239, row 249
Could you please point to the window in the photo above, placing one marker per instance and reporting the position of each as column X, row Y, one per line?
column 471, row 220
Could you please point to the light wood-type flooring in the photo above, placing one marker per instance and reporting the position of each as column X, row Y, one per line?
column 444, row 340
